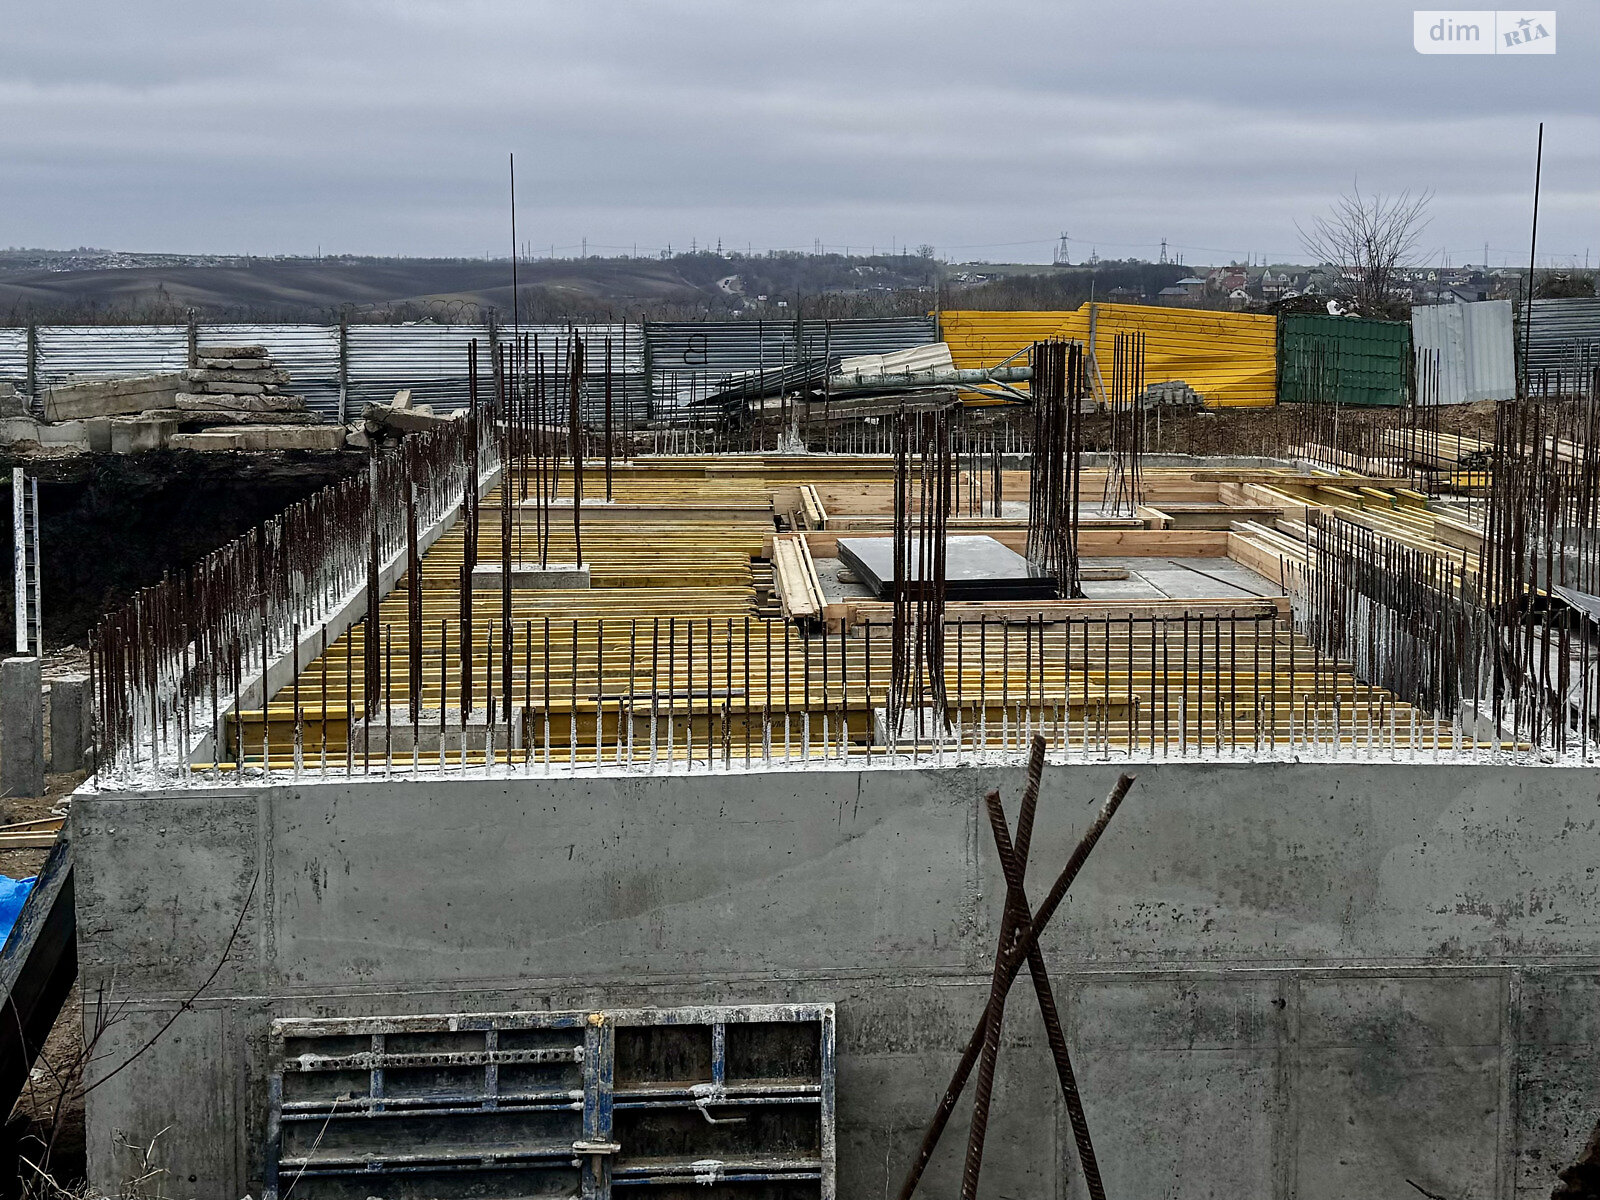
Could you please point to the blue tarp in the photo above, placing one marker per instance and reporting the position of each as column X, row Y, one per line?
column 13, row 895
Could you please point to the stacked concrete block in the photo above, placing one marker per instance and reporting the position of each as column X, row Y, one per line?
column 238, row 385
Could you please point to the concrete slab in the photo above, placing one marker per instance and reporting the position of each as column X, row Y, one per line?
column 137, row 435
column 835, row 588
column 1179, row 584
column 1133, row 588
column 231, row 352
column 236, row 375
column 977, row 567
column 70, row 399
column 263, row 437
column 208, row 363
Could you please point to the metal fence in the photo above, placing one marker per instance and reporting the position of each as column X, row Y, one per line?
column 1564, row 336
column 14, row 358
column 1472, row 345
column 657, row 369
column 690, row 360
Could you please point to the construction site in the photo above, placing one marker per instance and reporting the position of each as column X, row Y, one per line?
column 649, row 766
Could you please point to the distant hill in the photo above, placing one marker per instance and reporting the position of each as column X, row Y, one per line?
column 107, row 287
column 83, row 287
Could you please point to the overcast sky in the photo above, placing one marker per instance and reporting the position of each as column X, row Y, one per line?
column 985, row 129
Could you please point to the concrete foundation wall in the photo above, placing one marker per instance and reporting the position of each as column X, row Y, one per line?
column 1278, row 980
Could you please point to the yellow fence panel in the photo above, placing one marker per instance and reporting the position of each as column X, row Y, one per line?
column 1230, row 359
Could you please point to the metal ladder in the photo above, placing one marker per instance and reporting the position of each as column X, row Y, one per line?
column 25, row 559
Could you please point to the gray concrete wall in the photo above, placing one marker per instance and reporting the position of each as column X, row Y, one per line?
column 1308, row 981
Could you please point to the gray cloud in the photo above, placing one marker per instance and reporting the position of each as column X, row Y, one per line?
column 382, row 127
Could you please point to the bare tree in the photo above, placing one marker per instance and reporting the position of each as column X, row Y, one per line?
column 1369, row 238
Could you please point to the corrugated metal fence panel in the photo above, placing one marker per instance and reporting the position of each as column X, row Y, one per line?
column 1370, row 358
column 869, row 335
column 310, row 353
column 1491, row 351
column 110, row 350
column 1565, row 335
column 1229, row 358
column 690, row 359
column 1472, row 345
column 431, row 360
column 14, row 357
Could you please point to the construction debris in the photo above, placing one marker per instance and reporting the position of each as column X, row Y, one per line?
column 78, row 398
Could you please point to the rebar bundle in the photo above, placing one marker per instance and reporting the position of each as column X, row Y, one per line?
column 1406, row 619
column 923, row 489
column 1059, row 386
column 1124, row 489
column 1543, row 526
column 1509, row 643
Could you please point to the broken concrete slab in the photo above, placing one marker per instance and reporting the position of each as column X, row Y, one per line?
column 137, row 435
column 73, row 398
column 67, row 435
column 232, row 352
column 214, row 378
column 206, row 363
column 381, row 418
column 263, row 437
column 208, row 439
column 233, row 389
column 200, row 418
column 305, row 437
column 11, row 403
column 203, row 402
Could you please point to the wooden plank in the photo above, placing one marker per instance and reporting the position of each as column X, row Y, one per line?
column 28, row 841
column 1295, row 478
column 811, row 504
column 1255, row 554
column 796, row 576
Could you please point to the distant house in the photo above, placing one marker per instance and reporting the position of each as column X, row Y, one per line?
column 1192, row 286
column 1227, row 279
column 1275, row 284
